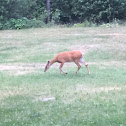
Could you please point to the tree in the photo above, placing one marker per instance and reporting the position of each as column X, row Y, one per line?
column 62, row 11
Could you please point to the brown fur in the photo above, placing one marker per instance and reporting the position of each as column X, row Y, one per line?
column 70, row 56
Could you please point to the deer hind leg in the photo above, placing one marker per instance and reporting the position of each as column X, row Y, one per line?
column 61, row 71
column 84, row 63
column 79, row 66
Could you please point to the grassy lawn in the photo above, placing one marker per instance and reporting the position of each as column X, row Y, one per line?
column 98, row 99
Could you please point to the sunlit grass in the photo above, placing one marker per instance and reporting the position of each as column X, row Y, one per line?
column 79, row 100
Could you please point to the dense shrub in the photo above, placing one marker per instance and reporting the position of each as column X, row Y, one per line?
column 34, row 23
column 15, row 23
column 12, row 12
column 22, row 23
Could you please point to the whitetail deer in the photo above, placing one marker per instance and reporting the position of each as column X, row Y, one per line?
column 71, row 56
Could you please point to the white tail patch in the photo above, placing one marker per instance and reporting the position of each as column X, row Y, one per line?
column 82, row 61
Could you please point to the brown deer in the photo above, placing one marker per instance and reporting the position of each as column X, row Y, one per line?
column 71, row 56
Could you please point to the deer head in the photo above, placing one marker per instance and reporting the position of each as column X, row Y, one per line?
column 47, row 66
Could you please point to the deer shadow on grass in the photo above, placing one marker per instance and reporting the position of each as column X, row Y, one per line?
column 69, row 75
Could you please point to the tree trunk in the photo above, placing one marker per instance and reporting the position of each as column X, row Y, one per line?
column 48, row 10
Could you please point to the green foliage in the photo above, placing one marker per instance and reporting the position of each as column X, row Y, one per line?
column 34, row 23
column 62, row 11
column 22, row 23
column 1, row 25
column 16, row 23
column 85, row 24
column 56, row 16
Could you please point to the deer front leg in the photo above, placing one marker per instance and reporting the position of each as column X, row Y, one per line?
column 61, row 71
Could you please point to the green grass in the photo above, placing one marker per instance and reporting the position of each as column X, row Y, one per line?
column 98, row 99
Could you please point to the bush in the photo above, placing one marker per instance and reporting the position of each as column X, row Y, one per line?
column 115, row 23
column 34, row 23
column 22, row 23
column 1, row 26
column 56, row 16
column 85, row 24
column 15, row 23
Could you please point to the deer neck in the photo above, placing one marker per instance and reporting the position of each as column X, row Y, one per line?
column 52, row 61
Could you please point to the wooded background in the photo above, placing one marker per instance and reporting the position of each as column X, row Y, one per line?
column 17, row 14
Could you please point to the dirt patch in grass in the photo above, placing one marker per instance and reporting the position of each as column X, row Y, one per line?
column 27, row 68
column 21, row 68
